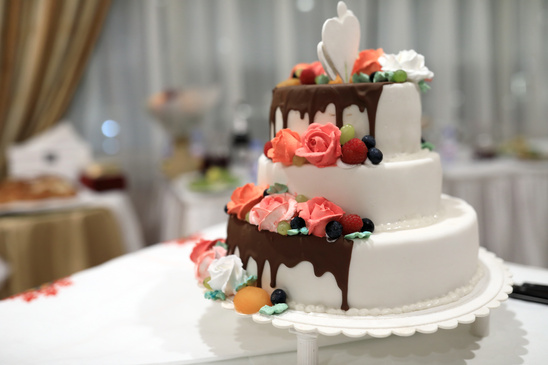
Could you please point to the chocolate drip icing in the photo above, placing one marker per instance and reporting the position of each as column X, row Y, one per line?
column 315, row 98
column 262, row 246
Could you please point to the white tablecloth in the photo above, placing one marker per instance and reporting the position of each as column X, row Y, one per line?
column 145, row 308
column 511, row 199
column 120, row 205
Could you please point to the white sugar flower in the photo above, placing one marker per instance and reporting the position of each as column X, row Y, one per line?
column 409, row 61
column 226, row 274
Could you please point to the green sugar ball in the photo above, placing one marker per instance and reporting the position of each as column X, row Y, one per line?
column 399, row 76
column 322, row 79
column 360, row 77
column 347, row 133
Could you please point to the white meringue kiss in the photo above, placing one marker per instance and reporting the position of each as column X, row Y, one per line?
column 226, row 274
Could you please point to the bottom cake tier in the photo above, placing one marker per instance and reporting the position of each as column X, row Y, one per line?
column 390, row 272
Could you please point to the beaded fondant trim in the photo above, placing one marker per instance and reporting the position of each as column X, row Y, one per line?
column 450, row 297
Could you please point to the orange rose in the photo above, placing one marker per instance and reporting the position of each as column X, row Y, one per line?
column 244, row 198
column 284, row 146
column 367, row 61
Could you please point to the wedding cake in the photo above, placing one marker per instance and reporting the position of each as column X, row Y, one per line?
column 348, row 214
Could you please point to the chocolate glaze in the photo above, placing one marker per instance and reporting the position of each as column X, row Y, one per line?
column 262, row 246
column 313, row 98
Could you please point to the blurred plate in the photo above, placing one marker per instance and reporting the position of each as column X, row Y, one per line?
column 39, row 206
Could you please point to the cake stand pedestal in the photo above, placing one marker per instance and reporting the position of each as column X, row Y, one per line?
column 492, row 289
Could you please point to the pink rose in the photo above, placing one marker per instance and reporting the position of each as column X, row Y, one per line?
column 321, row 145
column 205, row 259
column 317, row 212
column 272, row 210
column 202, row 246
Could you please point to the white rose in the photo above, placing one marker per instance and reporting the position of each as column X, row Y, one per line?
column 226, row 274
column 409, row 61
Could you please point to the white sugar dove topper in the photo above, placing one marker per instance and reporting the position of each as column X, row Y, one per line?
column 340, row 42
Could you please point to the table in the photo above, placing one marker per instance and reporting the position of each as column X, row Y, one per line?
column 145, row 308
column 42, row 242
column 185, row 211
column 511, row 199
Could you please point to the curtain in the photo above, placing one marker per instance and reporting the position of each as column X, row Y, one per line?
column 488, row 57
column 45, row 46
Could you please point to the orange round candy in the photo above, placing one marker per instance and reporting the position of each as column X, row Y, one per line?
column 250, row 299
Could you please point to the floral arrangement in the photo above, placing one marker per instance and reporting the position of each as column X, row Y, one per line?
column 223, row 276
column 293, row 214
column 371, row 65
column 322, row 146
column 338, row 53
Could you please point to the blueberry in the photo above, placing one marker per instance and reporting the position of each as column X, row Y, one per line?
column 369, row 141
column 297, row 223
column 374, row 155
column 372, row 76
column 226, row 209
column 278, row 296
column 367, row 225
column 265, row 192
column 333, row 230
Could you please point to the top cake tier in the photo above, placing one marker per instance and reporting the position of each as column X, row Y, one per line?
column 391, row 112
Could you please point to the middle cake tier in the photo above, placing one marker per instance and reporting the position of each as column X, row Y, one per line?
column 394, row 195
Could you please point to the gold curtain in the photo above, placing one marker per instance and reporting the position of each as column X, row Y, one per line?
column 44, row 47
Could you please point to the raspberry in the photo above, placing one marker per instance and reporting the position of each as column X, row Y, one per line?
column 351, row 223
column 354, row 152
column 308, row 76
column 267, row 146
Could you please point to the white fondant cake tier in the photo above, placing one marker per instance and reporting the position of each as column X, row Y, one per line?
column 394, row 195
column 398, row 120
column 394, row 269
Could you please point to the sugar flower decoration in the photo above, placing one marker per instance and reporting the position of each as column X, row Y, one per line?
column 272, row 210
column 368, row 61
column 284, row 146
column 317, row 212
column 244, row 198
column 321, row 145
column 409, row 61
column 227, row 273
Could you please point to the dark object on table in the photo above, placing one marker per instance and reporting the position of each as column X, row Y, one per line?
column 104, row 183
column 103, row 177
column 530, row 292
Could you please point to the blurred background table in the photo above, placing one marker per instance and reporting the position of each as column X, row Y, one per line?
column 511, row 199
column 44, row 244
column 185, row 211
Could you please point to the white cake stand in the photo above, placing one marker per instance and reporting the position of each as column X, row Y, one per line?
column 492, row 289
